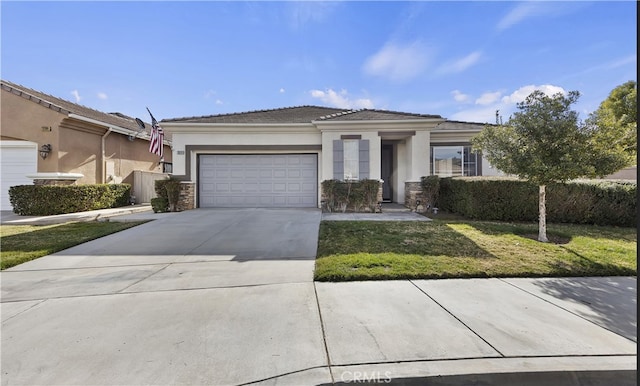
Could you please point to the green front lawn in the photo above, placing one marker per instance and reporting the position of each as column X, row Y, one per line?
column 360, row 250
column 21, row 243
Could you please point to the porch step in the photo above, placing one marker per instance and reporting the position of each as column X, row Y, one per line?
column 394, row 208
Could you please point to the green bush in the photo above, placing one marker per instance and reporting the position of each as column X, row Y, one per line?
column 169, row 190
column 161, row 188
column 356, row 196
column 159, row 204
column 504, row 199
column 431, row 189
column 45, row 200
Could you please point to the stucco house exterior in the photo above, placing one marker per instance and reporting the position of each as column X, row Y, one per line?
column 46, row 139
column 279, row 157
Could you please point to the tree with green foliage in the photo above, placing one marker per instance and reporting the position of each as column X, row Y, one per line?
column 545, row 142
column 615, row 127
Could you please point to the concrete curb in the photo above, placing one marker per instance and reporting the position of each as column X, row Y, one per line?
column 10, row 218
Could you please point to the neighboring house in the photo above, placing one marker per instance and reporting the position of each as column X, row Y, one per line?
column 279, row 157
column 46, row 139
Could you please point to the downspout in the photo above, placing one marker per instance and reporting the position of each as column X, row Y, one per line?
column 103, row 156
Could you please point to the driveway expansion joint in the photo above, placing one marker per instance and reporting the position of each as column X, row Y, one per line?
column 458, row 319
column 324, row 335
column 144, row 278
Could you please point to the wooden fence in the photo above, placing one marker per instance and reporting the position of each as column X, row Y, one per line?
column 144, row 185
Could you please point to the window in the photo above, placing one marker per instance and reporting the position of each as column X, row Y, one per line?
column 167, row 167
column 449, row 161
column 351, row 159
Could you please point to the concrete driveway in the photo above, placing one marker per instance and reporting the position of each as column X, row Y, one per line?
column 226, row 297
column 183, row 299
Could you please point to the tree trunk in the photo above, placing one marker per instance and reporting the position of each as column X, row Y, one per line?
column 542, row 219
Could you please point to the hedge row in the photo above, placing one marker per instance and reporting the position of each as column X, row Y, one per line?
column 579, row 202
column 44, row 200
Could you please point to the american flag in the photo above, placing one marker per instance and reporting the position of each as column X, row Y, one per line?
column 157, row 137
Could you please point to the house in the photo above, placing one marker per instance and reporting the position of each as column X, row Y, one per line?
column 279, row 157
column 46, row 139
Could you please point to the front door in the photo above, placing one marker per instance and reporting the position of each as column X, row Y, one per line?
column 386, row 170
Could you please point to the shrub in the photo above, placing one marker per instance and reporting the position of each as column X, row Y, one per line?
column 159, row 204
column 505, row 199
column 161, row 188
column 45, row 200
column 169, row 190
column 431, row 189
column 354, row 196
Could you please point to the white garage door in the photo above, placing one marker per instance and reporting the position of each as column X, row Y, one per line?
column 258, row 180
column 17, row 160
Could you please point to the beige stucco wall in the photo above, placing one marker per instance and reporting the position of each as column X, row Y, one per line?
column 23, row 120
column 76, row 145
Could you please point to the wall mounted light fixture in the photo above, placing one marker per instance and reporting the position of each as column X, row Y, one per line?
column 45, row 150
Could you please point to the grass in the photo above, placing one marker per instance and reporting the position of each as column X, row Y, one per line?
column 360, row 250
column 22, row 243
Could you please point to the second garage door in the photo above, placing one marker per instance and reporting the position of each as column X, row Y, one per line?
column 258, row 180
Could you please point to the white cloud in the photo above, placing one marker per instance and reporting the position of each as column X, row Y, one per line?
column 102, row 96
column 398, row 62
column 305, row 12
column 459, row 96
column 209, row 93
column 219, row 102
column 488, row 98
column 516, row 15
column 480, row 115
column 532, row 9
column 489, row 102
column 523, row 92
column 341, row 99
column 461, row 64
column 76, row 95
column 282, row 91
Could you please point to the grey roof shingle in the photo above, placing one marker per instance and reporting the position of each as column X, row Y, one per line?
column 301, row 114
column 66, row 107
column 378, row 115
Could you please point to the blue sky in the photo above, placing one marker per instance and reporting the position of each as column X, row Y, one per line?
column 461, row 60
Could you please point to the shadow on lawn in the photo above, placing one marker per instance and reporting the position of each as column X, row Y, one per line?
column 526, row 230
column 612, row 301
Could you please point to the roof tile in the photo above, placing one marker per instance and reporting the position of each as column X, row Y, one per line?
column 301, row 114
column 67, row 107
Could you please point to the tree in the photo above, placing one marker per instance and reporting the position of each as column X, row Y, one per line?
column 545, row 142
column 615, row 127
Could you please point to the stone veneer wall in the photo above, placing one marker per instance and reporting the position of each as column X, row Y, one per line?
column 187, row 198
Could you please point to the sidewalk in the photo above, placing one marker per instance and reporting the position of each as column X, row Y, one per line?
column 10, row 218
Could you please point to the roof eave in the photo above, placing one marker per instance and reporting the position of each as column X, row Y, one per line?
column 115, row 129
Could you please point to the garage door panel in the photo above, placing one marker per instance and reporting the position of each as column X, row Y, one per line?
column 17, row 160
column 266, row 173
column 266, row 180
